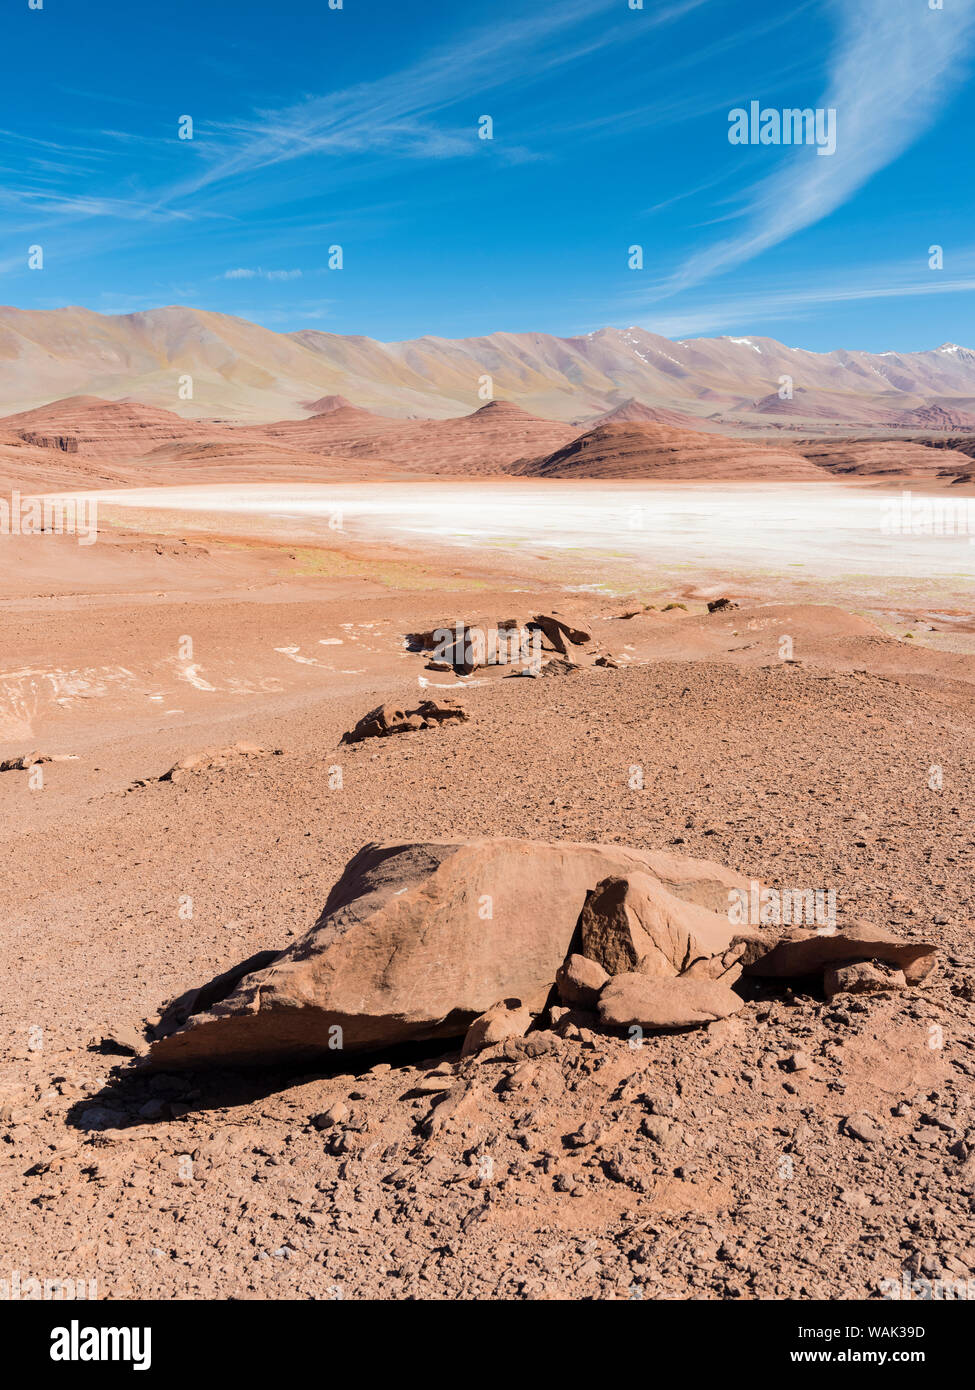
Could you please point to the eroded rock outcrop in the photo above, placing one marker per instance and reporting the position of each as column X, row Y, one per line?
column 519, row 642
column 216, row 760
column 557, row 632
column 467, row 647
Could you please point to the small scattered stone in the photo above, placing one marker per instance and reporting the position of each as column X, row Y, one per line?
column 579, row 981
column 862, row 977
column 665, row 1133
column 507, row 1019
column 337, row 1114
column 863, row 1127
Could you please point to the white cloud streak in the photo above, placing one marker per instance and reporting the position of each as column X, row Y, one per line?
column 394, row 114
column 895, row 65
column 256, row 273
column 739, row 311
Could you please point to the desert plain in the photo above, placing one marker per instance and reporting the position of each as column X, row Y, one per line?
column 178, row 798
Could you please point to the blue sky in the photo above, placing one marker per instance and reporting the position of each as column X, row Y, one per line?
column 359, row 127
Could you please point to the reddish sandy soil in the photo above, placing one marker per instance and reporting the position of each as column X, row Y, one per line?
column 710, row 1164
column 800, row 1149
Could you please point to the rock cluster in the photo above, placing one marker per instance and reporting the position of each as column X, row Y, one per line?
column 466, row 647
column 482, row 938
column 23, row 762
column 390, row 719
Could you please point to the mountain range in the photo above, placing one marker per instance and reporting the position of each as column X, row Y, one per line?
column 203, row 365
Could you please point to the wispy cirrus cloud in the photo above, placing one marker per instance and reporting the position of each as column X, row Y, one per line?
column 790, row 301
column 397, row 113
column 256, row 273
column 425, row 110
column 79, row 206
column 895, row 64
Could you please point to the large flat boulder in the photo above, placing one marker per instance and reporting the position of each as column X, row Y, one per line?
column 416, row 940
